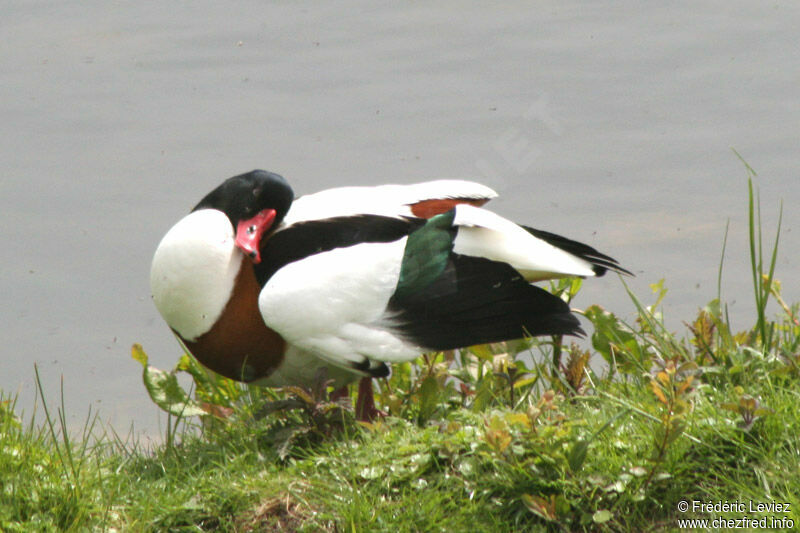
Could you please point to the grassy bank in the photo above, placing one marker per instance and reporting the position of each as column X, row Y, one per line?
column 520, row 436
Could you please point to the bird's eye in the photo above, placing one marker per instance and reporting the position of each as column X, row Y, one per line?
column 251, row 229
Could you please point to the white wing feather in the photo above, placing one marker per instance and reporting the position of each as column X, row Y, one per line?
column 386, row 200
column 484, row 234
column 333, row 304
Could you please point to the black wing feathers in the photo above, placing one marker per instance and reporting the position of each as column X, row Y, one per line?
column 371, row 368
column 476, row 301
column 600, row 261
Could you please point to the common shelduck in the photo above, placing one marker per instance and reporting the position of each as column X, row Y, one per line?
column 266, row 289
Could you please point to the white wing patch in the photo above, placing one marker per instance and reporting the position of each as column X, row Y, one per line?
column 386, row 200
column 484, row 234
column 333, row 304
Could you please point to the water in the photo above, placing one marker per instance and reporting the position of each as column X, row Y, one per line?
column 606, row 122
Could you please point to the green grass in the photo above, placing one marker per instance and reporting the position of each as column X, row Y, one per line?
column 520, row 436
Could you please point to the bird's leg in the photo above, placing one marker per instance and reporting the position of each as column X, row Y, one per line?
column 340, row 394
column 365, row 404
column 320, row 387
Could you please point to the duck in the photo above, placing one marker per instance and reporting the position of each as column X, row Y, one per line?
column 268, row 289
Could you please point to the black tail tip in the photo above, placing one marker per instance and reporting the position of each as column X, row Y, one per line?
column 372, row 368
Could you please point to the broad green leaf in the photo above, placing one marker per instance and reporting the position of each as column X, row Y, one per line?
column 482, row 351
column 200, row 377
column 602, row 516
column 518, row 419
column 300, row 393
column 483, row 396
column 538, row 505
column 285, row 437
column 610, row 335
column 658, row 392
column 137, row 353
column 428, row 398
column 526, row 381
column 164, row 389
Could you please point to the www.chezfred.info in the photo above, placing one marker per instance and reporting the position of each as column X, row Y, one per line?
column 726, row 514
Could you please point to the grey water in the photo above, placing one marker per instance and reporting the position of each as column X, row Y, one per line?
column 613, row 123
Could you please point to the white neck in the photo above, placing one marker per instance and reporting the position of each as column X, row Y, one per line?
column 193, row 272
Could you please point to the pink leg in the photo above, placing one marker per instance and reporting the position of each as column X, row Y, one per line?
column 365, row 404
column 340, row 394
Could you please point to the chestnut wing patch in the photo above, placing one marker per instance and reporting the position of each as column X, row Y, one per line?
column 431, row 208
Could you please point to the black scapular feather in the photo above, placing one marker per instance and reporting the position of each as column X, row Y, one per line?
column 304, row 239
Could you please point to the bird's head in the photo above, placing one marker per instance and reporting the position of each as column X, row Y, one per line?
column 255, row 203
